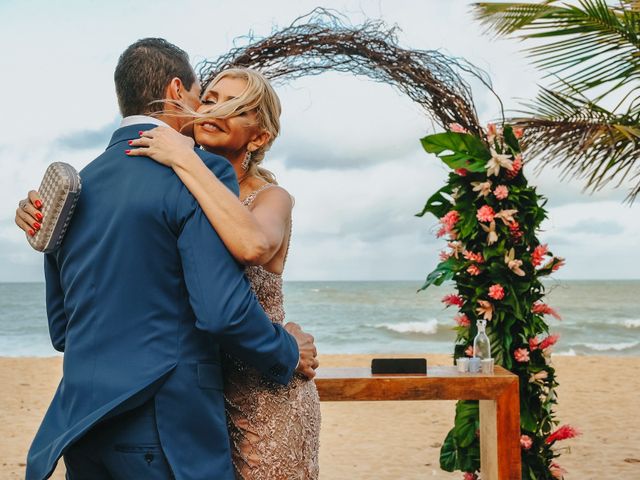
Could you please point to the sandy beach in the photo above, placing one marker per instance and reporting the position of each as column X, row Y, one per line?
column 390, row 440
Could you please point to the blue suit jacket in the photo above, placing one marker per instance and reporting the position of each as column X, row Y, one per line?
column 139, row 298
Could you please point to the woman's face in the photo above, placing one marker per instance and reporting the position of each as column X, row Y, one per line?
column 228, row 136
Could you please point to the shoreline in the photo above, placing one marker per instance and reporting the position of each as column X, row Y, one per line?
column 389, row 440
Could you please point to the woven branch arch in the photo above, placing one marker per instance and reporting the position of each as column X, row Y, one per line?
column 323, row 41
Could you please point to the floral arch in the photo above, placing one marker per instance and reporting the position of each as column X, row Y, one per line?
column 488, row 212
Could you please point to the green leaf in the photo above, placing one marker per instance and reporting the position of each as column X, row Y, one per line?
column 443, row 272
column 466, row 422
column 449, row 454
column 438, row 204
column 458, row 150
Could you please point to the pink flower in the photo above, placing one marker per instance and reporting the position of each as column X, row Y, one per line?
column 452, row 299
column 540, row 308
column 485, row 213
column 557, row 471
column 518, row 132
column 448, row 222
column 491, row 129
column 515, row 168
column 526, row 442
column 563, row 433
column 451, row 218
column 462, row 320
column 496, row 292
column 461, row 171
column 457, row 128
column 469, row 351
column 501, row 192
column 533, row 343
column 538, row 254
column 521, row 355
column 444, row 256
column 549, row 341
column 473, row 257
column 469, row 476
column 473, row 270
column 514, row 229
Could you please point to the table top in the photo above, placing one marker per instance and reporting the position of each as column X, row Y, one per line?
column 440, row 383
column 432, row 372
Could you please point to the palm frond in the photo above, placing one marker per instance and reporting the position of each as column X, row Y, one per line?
column 590, row 44
column 583, row 139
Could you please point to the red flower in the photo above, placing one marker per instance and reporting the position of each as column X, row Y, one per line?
column 518, row 132
column 540, row 308
column 538, row 254
column 452, row 299
column 469, row 476
column 550, row 341
column 496, row 292
column 515, row 168
column 533, row 343
column 563, row 433
column 461, row 171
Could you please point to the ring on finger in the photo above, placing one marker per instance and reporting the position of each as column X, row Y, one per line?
column 23, row 205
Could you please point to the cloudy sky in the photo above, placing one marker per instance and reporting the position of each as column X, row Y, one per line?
column 349, row 150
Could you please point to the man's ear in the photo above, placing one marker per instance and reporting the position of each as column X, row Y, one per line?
column 175, row 89
column 258, row 140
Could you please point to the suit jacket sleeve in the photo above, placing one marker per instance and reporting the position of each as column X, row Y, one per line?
column 55, row 303
column 220, row 294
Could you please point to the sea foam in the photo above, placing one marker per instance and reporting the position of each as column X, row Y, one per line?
column 429, row 327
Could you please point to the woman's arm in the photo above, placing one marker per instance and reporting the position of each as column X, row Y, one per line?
column 253, row 237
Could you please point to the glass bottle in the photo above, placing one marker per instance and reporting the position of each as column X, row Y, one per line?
column 481, row 344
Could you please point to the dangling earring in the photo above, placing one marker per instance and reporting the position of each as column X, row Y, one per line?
column 245, row 162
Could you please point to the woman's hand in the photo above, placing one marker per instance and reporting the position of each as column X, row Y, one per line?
column 162, row 144
column 28, row 215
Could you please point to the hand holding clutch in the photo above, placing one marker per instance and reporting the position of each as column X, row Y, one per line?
column 59, row 190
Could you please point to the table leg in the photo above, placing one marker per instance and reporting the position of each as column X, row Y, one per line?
column 500, row 436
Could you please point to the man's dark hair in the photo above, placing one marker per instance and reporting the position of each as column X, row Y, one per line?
column 144, row 71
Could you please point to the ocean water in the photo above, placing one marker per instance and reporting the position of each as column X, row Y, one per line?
column 599, row 317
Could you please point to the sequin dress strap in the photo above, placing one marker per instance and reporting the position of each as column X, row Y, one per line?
column 252, row 196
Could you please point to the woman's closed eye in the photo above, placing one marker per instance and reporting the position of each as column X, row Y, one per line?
column 208, row 101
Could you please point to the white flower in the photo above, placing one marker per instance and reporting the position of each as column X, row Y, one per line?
column 492, row 236
column 513, row 264
column 506, row 216
column 497, row 161
column 484, row 188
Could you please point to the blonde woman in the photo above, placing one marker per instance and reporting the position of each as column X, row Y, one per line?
column 274, row 429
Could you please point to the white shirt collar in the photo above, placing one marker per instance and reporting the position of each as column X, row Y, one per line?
column 139, row 119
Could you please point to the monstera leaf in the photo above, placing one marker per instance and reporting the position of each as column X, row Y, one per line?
column 458, row 150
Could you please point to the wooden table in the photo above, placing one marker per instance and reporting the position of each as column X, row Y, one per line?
column 498, row 394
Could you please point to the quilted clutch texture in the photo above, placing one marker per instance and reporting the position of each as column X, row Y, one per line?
column 60, row 190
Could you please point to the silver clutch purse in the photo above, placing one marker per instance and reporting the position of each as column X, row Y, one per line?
column 60, row 190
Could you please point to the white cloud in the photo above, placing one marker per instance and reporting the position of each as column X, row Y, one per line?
column 349, row 150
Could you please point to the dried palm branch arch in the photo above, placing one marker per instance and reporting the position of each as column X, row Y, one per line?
column 324, row 41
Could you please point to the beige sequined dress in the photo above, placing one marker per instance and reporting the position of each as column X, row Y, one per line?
column 274, row 429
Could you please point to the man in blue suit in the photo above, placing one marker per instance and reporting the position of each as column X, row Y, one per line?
column 140, row 298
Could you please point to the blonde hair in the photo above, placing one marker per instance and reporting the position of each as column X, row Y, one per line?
column 258, row 95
